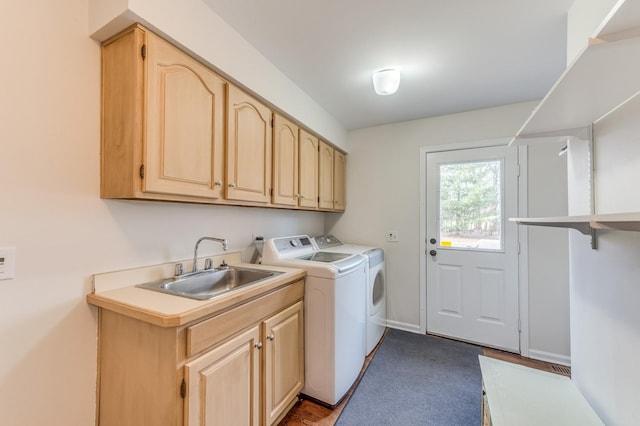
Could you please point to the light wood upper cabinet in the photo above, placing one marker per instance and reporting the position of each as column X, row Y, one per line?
column 163, row 117
column 295, row 165
column 174, row 130
column 339, row 180
column 249, row 138
column 285, row 162
column 332, row 173
column 325, row 176
column 308, row 170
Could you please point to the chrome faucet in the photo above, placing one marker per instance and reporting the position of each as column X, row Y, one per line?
column 195, row 251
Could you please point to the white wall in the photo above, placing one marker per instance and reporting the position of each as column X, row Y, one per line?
column 605, row 319
column 63, row 231
column 604, row 289
column 548, row 253
column 583, row 22
column 383, row 195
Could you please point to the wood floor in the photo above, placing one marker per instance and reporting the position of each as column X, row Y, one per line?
column 306, row 412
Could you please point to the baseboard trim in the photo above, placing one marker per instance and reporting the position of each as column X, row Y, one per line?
column 550, row 357
column 412, row 328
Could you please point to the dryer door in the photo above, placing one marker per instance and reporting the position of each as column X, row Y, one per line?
column 377, row 292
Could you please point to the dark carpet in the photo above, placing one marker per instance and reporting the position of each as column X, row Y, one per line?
column 415, row 379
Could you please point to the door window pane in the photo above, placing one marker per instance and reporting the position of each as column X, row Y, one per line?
column 471, row 205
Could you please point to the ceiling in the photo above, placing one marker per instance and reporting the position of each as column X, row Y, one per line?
column 454, row 55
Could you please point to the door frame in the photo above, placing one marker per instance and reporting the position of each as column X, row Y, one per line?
column 523, row 266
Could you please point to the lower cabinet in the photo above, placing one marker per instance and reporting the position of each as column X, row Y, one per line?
column 243, row 366
column 262, row 366
column 283, row 361
column 223, row 386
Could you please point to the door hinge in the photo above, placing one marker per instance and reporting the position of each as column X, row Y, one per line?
column 183, row 389
column 518, row 170
column 518, row 247
column 519, row 326
column 141, row 171
column 143, row 51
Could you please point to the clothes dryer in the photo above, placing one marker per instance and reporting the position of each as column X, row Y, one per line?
column 334, row 312
column 375, row 288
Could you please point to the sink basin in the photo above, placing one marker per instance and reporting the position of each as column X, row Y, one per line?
column 203, row 285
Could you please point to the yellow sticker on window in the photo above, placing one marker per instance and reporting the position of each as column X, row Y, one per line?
column 445, row 243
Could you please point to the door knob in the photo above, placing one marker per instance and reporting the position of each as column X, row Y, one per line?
column 433, row 252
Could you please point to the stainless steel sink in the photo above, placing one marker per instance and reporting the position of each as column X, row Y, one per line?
column 203, row 285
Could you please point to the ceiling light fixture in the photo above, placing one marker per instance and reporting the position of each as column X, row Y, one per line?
column 386, row 82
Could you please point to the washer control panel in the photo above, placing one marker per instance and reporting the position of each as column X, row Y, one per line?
column 290, row 244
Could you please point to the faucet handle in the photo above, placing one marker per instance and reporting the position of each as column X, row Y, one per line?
column 179, row 269
column 208, row 263
column 224, row 264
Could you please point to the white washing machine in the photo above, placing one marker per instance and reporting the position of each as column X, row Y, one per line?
column 334, row 314
column 375, row 289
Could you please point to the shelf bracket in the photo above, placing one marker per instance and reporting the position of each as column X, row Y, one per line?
column 594, row 239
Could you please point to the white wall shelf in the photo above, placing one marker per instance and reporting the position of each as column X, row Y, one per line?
column 600, row 80
column 621, row 22
column 585, row 224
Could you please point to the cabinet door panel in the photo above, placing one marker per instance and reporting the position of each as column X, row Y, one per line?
column 223, row 385
column 325, row 176
column 185, row 124
column 339, row 182
column 308, row 170
column 249, row 139
column 285, row 162
column 284, row 360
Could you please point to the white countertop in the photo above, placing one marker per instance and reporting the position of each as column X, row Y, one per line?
column 117, row 291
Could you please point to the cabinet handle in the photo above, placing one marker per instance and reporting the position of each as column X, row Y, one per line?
column 271, row 337
column 218, row 183
column 232, row 185
column 259, row 345
column 301, row 197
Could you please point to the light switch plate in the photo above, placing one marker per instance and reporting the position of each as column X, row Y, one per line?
column 7, row 263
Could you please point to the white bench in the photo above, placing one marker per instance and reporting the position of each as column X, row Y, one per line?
column 515, row 395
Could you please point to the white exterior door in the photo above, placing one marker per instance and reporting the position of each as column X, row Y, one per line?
column 472, row 248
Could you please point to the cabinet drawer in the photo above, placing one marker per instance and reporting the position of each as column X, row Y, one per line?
column 214, row 330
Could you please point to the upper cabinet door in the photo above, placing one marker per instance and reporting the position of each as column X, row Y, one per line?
column 185, row 102
column 308, row 171
column 325, row 176
column 285, row 162
column 249, row 136
column 339, row 180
